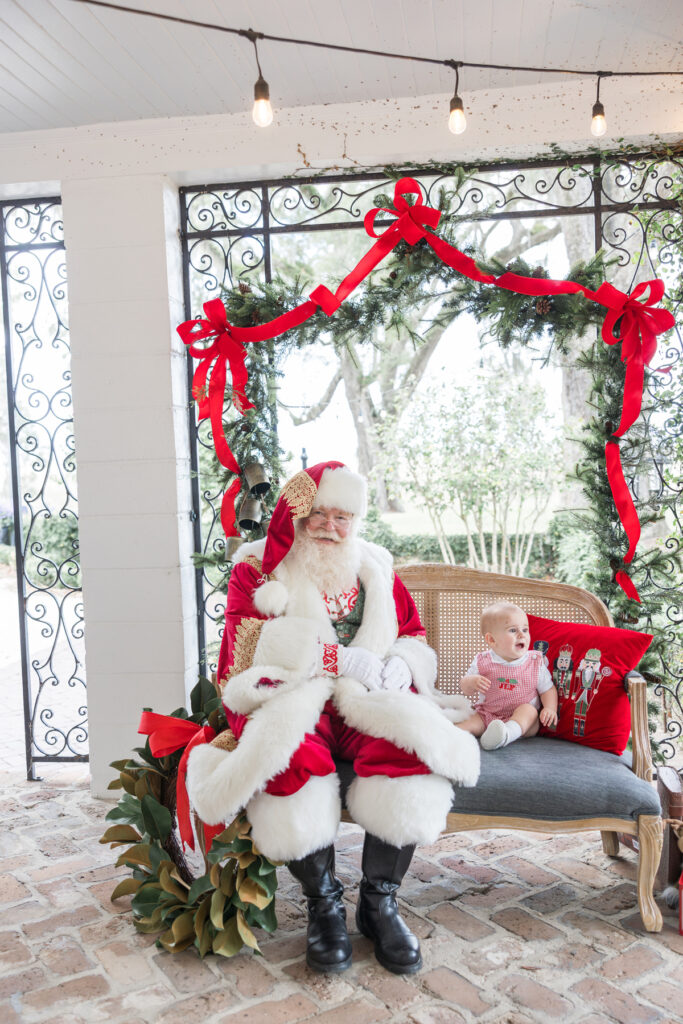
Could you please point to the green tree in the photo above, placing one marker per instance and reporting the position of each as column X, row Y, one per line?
column 486, row 452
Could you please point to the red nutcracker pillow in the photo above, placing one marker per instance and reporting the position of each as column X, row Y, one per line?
column 588, row 665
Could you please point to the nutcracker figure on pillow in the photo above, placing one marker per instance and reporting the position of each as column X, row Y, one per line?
column 590, row 674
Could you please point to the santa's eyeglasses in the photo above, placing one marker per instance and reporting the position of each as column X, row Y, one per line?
column 321, row 515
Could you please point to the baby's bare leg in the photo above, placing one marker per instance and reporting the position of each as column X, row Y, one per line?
column 526, row 717
column 473, row 724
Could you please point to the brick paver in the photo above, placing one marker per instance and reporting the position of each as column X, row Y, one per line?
column 516, row 928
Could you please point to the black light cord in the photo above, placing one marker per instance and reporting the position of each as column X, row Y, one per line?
column 252, row 35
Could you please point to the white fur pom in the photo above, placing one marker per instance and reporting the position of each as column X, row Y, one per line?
column 402, row 811
column 288, row 827
column 271, row 598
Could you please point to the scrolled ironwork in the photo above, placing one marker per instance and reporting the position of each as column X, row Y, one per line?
column 33, row 279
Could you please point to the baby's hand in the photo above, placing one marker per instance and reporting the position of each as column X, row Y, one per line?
column 548, row 717
column 470, row 685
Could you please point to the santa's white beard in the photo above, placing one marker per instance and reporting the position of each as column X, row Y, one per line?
column 332, row 568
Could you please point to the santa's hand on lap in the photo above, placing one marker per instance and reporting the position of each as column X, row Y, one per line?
column 355, row 662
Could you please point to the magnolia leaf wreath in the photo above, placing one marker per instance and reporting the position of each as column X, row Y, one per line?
column 216, row 909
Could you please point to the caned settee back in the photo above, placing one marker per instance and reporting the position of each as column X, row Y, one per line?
column 450, row 599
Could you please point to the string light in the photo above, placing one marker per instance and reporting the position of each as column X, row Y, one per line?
column 457, row 122
column 263, row 112
column 598, row 122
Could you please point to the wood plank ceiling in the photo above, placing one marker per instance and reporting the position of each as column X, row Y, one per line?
column 64, row 63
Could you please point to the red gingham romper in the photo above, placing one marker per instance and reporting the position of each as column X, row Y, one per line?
column 511, row 685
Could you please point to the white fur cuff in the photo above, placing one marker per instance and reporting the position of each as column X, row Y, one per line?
column 245, row 692
column 289, row 827
column 420, row 659
column 402, row 811
column 290, row 642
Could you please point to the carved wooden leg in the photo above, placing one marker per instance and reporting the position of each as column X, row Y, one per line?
column 650, row 844
column 610, row 843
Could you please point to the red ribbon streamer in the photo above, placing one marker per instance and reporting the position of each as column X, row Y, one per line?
column 641, row 322
column 166, row 735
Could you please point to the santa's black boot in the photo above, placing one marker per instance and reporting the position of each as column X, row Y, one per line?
column 377, row 914
column 328, row 946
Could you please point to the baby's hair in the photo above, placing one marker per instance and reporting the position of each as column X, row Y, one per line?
column 492, row 612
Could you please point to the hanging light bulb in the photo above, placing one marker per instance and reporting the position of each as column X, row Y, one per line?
column 598, row 122
column 457, row 122
column 262, row 111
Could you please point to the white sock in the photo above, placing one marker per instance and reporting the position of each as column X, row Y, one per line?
column 513, row 730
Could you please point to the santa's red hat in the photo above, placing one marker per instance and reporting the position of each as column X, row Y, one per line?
column 326, row 485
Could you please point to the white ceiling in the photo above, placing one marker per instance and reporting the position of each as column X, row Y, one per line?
column 64, row 63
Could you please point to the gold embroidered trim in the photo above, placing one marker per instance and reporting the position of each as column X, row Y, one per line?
column 299, row 493
column 225, row 740
column 246, row 638
column 253, row 561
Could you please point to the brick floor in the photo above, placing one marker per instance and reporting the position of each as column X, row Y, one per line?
column 515, row 929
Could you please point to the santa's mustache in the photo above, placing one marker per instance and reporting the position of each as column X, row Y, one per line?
column 325, row 535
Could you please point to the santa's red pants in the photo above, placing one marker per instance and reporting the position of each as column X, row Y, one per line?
column 333, row 737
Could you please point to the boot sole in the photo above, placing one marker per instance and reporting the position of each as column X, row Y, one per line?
column 322, row 968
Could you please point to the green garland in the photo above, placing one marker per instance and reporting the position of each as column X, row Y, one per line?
column 215, row 912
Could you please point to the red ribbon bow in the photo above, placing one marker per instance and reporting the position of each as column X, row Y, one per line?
column 640, row 325
column 166, row 735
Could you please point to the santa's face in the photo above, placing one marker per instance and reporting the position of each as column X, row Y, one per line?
column 328, row 526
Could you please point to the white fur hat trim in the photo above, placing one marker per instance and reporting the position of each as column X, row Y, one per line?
column 341, row 488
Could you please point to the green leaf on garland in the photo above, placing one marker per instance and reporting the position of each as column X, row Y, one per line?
column 203, row 692
column 138, row 854
column 227, row 879
column 146, row 900
column 251, row 892
column 266, row 917
column 157, row 818
column 128, row 810
column 169, row 885
column 228, row 941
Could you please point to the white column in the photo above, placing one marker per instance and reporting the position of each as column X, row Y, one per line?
column 132, row 451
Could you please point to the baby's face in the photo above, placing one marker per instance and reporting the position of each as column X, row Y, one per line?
column 509, row 636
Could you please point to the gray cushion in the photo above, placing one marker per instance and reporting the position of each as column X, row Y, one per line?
column 550, row 779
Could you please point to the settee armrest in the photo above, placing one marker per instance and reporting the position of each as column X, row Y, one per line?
column 636, row 687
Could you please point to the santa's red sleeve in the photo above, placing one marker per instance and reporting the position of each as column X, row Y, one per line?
column 241, row 618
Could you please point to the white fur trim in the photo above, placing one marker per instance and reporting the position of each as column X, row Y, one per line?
column 271, row 598
column 221, row 782
column 413, row 723
column 403, row 811
column 242, row 693
column 288, row 827
column 253, row 547
column 290, row 642
column 340, row 488
column 379, row 627
column 420, row 659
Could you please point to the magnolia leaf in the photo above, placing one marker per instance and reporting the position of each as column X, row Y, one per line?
column 167, row 941
column 128, row 783
column 245, row 932
column 267, row 881
column 203, row 941
column 183, row 926
column 138, row 854
column 198, row 887
column 215, row 876
column 119, row 765
column 202, row 914
column 175, row 873
column 115, row 784
column 128, row 810
column 146, row 900
column 148, row 925
column 217, row 905
column 200, row 694
column 229, row 833
column 126, row 887
column 228, row 879
column 245, row 859
column 266, row 918
column 228, row 941
column 251, row 892
column 121, row 834
column 168, row 885
column 157, row 818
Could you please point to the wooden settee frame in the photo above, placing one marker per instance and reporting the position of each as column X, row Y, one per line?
column 449, row 600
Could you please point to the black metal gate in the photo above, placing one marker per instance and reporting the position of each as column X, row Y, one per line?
column 44, row 514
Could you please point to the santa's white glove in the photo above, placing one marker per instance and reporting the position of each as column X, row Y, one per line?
column 356, row 662
column 396, row 675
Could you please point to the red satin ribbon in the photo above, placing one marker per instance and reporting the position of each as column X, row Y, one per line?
column 641, row 322
column 166, row 735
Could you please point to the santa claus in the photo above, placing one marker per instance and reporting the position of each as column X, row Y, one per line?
column 324, row 656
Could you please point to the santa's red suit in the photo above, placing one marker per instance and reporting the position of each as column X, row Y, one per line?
column 288, row 720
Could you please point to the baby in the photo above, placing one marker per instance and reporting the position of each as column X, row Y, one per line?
column 509, row 679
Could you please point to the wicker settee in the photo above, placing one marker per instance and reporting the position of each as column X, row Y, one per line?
column 580, row 789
